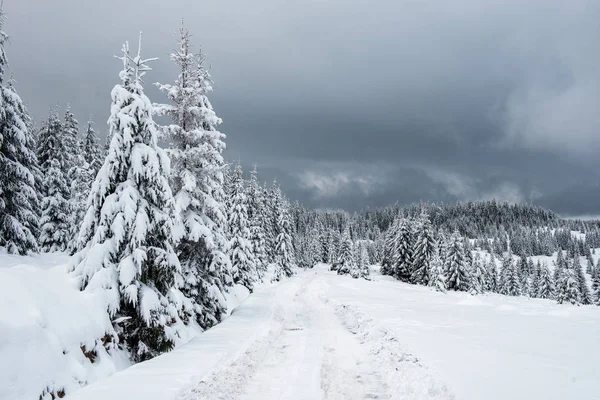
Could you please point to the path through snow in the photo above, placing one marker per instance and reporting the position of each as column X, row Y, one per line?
column 312, row 351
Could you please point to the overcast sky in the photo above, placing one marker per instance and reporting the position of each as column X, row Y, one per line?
column 355, row 103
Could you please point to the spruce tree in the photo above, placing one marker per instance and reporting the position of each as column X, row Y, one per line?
column 456, row 271
column 545, row 289
column 70, row 138
column 388, row 259
column 567, row 288
column 243, row 264
column 125, row 243
column 596, row 287
column 195, row 149
column 424, row 250
column 346, row 256
column 91, row 149
column 18, row 163
column 478, row 275
column 55, row 222
column 510, row 283
column 584, row 290
column 403, row 251
column 437, row 278
column 362, row 263
column 257, row 217
column 284, row 251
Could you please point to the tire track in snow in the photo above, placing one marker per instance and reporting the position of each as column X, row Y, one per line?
column 401, row 372
column 229, row 381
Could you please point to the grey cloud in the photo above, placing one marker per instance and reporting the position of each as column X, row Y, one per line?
column 365, row 97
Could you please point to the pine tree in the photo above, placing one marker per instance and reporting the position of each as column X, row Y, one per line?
column 55, row 219
column 70, row 138
column 82, row 177
column 240, row 249
column 567, row 288
column 403, row 251
column 424, row 251
column 596, row 287
column 256, row 216
column 478, row 274
column 456, row 270
column 387, row 263
column 284, row 251
column 346, row 256
column 125, row 241
column 195, row 150
column 584, row 290
column 545, row 289
column 559, row 266
column 437, row 278
column 18, row 163
column 362, row 264
column 91, row 149
column 492, row 274
column 510, row 282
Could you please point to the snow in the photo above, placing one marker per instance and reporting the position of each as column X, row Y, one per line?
column 315, row 335
column 44, row 320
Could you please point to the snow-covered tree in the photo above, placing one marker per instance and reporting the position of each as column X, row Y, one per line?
column 389, row 248
column 478, row 275
column 257, row 218
column 424, row 249
column 545, row 286
column 510, row 282
column 82, row 176
column 56, row 220
column 403, row 251
column 437, row 277
column 284, row 251
column 92, row 152
column 70, row 138
column 361, row 268
column 125, row 242
column 567, row 288
column 596, row 287
column 456, row 270
column 584, row 290
column 346, row 254
column 197, row 164
column 240, row 249
column 491, row 274
column 18, row 163
column 56, row 214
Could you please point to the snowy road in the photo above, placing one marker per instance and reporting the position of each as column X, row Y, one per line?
column 311, row 353
column 321, row 336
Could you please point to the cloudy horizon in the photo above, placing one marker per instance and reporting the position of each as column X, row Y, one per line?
column 355, row 104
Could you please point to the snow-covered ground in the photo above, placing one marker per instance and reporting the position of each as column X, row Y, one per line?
column 320, row 335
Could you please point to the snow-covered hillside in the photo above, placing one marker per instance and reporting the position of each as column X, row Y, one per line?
column 316, row 335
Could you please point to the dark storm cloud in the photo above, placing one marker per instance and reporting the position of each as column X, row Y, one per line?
column 354, row 103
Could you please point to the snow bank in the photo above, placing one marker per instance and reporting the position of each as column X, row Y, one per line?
column 44, row 321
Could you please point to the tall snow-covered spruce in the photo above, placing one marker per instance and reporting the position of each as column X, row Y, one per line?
column 52, row 155
column 240, row 249
column 18, row 162
column 195, row 147
column 125, row 240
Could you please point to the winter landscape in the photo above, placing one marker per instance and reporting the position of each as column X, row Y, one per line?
column 389, row 251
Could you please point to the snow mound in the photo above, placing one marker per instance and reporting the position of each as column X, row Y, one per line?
column 46, row 324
